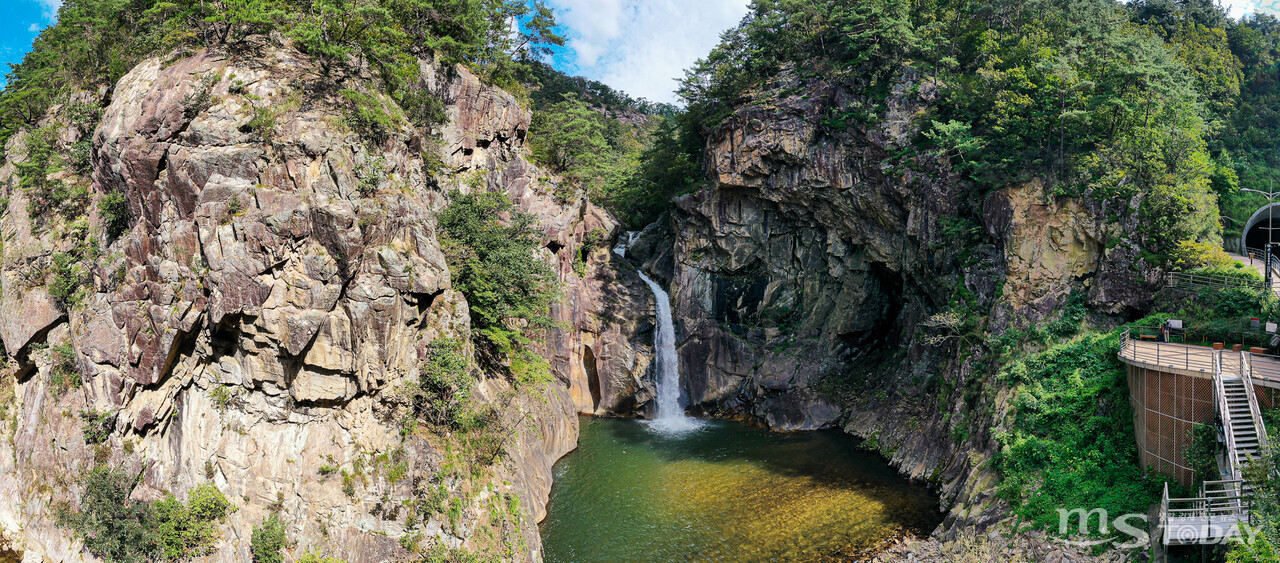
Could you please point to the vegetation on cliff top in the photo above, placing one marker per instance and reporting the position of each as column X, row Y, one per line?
column 95, row 42
column 630, row 156
column 1168, row 101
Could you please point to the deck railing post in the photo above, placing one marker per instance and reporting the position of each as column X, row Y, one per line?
column 1164, row 515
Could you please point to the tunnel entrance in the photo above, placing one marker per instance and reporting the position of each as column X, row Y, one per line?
column 1259, row 229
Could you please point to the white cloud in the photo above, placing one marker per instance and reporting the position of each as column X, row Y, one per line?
column 33, row 27
column 642, row 46
column 1238, row 8
column 50, row 8
column 592, row 25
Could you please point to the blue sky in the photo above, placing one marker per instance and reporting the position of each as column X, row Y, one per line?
column 22, row 22
column 1238, row 8
column 641, row 46
column 638, row 46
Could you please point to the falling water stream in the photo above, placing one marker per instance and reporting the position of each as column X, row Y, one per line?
column 677, row 488
column 670, row 417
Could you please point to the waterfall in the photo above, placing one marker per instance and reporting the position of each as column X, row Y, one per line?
column 670, row 417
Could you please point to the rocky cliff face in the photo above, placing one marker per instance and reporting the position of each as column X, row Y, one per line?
column 280, row 280
column 803, row 274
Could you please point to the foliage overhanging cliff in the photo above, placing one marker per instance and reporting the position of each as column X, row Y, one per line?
column 1162, row 99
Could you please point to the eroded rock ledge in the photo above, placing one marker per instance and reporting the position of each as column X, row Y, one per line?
column 280, row 281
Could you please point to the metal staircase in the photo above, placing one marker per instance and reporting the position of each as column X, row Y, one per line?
column 1238, row 421
column 1222, row 505
column 1241, row 418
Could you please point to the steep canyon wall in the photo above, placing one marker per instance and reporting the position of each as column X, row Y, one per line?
column 280, row 280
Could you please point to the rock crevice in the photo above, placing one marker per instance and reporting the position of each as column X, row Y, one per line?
column 281, row 280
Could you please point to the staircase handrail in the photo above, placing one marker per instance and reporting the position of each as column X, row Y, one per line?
column 1224, row 411
column 1246, row 372
column 1164, row 515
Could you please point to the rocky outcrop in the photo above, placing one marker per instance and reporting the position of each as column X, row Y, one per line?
column 804, row 254
column 603, row 342
column 279, row 284
column 803, row 274
column 1026, row 547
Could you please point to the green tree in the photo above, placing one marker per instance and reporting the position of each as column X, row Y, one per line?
column 443, row 393
column 219, row 21
column 268, row 539
column 191, row 529
column 113, row 208
column 333, row 30
column 664, row 169
column 568, row 136
column 861, row 41
column 1263, row 474
column 494, row 264
column 122, row 530
column 479, row 33
column 113, row 526
column 1207, row 55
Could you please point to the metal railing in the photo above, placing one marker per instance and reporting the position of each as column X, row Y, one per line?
column 1140, row 348
column 1255, row 410
column 1224, row 413
column 1245, row 336
column 1261, row 256
column 1185, row 280
column 1264, row 366
column 1227, row 500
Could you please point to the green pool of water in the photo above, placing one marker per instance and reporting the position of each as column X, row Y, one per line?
column 726, row 492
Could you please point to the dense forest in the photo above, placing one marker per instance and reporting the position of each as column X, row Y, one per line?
column 1170, row 99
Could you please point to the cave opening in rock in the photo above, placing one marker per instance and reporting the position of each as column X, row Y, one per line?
column 593, row 376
